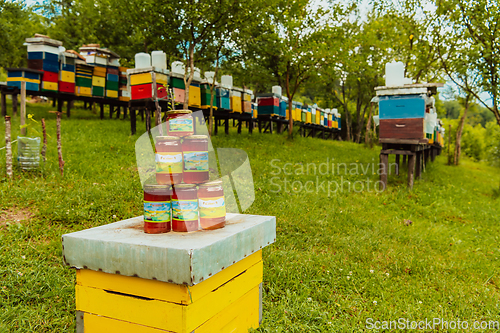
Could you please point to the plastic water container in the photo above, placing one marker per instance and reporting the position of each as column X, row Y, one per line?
column 227, row 81
column 394, row 74
column 277, row 90
column 159, row 59
column 430, row 122
column 178, row 67
column 28, row 152
column 142, row 60
column 376, row 120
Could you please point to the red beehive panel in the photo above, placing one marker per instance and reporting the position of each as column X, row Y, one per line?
column 268, row 101
column 142, row 91
column 50, row 77
column 66, row 87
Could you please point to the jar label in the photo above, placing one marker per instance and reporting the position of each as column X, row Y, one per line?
column 180, row 125
column 169, row 162
column 196, row 161
column 185, row 210
column 212, row 207
column 157, row 212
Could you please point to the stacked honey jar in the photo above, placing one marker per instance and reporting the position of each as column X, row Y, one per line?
column 183, row 199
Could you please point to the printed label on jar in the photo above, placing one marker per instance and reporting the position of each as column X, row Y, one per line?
column 185, row 210
column 180, row 125
column 157, row 212
column 196, row 161
column 168, row 162
column 212, row 207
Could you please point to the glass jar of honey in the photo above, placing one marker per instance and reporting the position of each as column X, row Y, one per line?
column 157, row 208
column 195, row 155
column 169, row 164
column 212, row 205
column 180, row 123
column 185, row 208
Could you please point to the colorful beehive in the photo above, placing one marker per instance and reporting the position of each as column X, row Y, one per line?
column 112, row 82
column 222, row 96
column 100, row 58
column 268, row 104
column 83, row 79
column 32, row 78
column 402, row 116
column 43, row 54
column 129, row 281
column 254, row 110
column 235, row 98
column 205, row 95
column 194, row 94
column 246, row 101
column 283, row 109
column 67, row 77
column 124, row 93
column 178, row 86
column 148, row 83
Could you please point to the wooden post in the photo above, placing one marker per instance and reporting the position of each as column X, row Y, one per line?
column 118, row 111
column 59, row 144
column 60, row 103
column 68, row 109
column 397, row 165
column 102, row 111
column 111, row 107
column 133, row 113
column 14, row 105
column 23, row 107
column 411, row 169
column 148, row 120
column 124, row 112
column 44, row 147
column 404, row 159
column 54, row 101
column 8, row 148
column 226, row 124
column 384, row 163
column 418, row 164
column 4, row 105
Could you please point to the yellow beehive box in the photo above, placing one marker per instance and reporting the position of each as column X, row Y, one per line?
column 308, row 117
column 112, row 93
column 83, row 91
column 98, row 81
column 142, row 78
column 226, row 302
column 236, row 104
column 317, row 118
column 49, row 85
column 194, row 96
column 66, row 76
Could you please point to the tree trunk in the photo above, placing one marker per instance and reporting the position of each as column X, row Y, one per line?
column 290, row 118
column 458, row 139
column 347, row 118
column 368, row 125
column 187, row 82
column 8, row 148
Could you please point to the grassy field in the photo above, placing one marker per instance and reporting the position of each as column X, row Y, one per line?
column 340, row 257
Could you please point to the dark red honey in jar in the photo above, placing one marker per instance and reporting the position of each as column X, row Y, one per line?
column 169, row 164
column 157, row 208
column 212, row 205
column 185, row 208
column 195, row 156
column 180, row 123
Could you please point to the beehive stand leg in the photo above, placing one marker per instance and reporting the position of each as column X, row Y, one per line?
column 60, row 103
column 54, row 102
column 259, row 124
column 418, row 165
column 14, row 105
column 226, row 125
column 118, row 112
column 85, row 105
column 271, row 125
column 102, row 110
column 240, row 121
column 68, row 109
column 433, row 154
column 216, row 125
column 411, row 169
column 384, row 159
column 148, row 120
column 404, row 159
column 4, row 105
column 111, row 111
column 397, row 165
column 250, row 126
column 142, row 114
column 133, row 120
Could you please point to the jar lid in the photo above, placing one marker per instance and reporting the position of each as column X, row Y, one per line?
column 184, row 186
column 179, row 112
column 156, row 187
column 212, row 183
column 193, row 137
column 167, row 138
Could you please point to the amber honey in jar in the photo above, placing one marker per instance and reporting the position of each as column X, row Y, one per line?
column 195, row 155
column 169, row 164
column 212, row 205
column 157, row 208
column 185, row 208
column 180, row 123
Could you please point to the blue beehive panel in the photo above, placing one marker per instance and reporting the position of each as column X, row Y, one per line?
column 223, row 102
column 43, row 55
column 112, row 77
column 29, row 85
column 15, row 74
column 69, row 68
column 282, row 111
column 33, row 76
column 51, row 66
column 401, row 107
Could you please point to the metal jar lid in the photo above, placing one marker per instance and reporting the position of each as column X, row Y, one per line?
column 167, row 138
column 212, row 183
column 179, row 112
column 156, row 187
column 184, row 186
column 196, row 137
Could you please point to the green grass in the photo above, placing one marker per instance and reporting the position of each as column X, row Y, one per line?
column 444, row 265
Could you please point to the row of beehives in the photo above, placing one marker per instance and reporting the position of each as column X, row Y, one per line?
column 94, row 72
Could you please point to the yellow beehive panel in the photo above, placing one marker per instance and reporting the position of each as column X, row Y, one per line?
column 236, row 104
column 112, row 93
column 143, row 78
column 49, row 85
column 20, row 79
column 66, row 76
column 99, row 324
column 83, row 91
column 308, row 117
column 123, row 98
column 194, row 96
column 98, row 81
column 161, row 78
